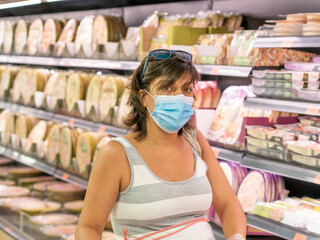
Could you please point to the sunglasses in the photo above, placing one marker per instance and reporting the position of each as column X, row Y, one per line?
column 161, row 54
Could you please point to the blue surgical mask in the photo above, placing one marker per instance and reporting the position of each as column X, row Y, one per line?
column 171, row 113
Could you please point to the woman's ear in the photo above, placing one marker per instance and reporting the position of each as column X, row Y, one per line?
column 142, row 94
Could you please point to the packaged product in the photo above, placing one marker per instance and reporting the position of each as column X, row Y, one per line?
column 66, row 36
column 20, row 36
column 84, row 33
column 51, row 32
column 35, row 36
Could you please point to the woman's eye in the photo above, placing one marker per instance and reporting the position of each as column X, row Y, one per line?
column 167, row 88
column 188, row 90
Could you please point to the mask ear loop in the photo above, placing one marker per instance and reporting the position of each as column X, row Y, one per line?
column 150, row 96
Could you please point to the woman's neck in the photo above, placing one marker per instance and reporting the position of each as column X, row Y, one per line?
column 157, row 137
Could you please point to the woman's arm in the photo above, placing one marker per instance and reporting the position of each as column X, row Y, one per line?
column 102, row 192
column 224, row 200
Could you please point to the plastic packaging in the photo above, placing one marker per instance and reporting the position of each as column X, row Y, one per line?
column 275, row 92
column 265, row 144
column 309, row 95
column 310, row 121
column 305, row 160
column 269, row 153
column 272, row 83
column 272, row 74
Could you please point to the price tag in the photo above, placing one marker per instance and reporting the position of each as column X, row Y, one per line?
column 51, row 62
column 300, row 236
column 67, row 63
column 15, row 156
column 215, row 71
column 216, row 152
column 312, row 111
column 317, row 179
column 65, row 176
column 71, row 122
column 287, row 43
column 102, row 129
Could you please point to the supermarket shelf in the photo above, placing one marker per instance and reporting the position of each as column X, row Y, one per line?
column 308, row 108
column 224, row 70
column 70, row 62
column 228, row 155
column 70, row 178
column 221, row 70
column 287, row 42
column 67, row 120
column 12, row 230
column 281, row 168
column 278, row 229
column 42, row 166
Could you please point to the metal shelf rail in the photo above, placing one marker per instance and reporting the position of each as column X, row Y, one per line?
column 221, row 70
column 301, row 107
column 278, row 229
column 68, row 120
column 42, row 166
column 287, row 42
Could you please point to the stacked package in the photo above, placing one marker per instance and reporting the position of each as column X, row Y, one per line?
column 101, row 98
column 227, row 128
column 286, row 84
column 71, row 149
column 237, row 49
column 300, row 213
column 297, row 24
column 298, row 142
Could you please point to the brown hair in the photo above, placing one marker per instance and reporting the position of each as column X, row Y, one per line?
column 170, row 70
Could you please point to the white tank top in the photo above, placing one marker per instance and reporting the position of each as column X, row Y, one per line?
column 150, row 204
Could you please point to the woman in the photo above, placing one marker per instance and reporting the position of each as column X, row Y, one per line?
column 153, row 178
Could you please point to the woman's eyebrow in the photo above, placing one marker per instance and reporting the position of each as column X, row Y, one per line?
column 188, row 84
column 163, row 83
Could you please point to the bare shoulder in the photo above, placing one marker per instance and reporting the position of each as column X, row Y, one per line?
column 201, row 139
column 112, row 155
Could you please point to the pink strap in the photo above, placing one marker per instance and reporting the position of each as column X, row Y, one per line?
column 189, row 223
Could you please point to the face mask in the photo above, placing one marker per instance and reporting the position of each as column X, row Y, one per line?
column 171, row 113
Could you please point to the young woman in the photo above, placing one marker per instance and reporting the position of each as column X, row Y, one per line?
column 154, row 181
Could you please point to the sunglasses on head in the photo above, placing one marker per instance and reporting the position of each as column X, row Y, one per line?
column 161, row 54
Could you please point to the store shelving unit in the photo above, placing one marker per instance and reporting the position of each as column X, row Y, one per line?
column 278, row 229
column 12, row 230
column 228, row 155
column 221, row 70
column 249, row 161
column 301, row 107
column 66, row 120
column 281, row 168
column 287, row 42
column 224, row 70
column 42, row 166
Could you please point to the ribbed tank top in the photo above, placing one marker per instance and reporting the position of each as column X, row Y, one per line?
column 150, row 203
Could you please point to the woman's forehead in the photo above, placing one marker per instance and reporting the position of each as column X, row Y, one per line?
column 181, row 81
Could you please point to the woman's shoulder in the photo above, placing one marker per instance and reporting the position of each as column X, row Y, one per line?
column 112, row 155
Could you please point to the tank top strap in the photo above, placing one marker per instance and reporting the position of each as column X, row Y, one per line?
column 133, row 156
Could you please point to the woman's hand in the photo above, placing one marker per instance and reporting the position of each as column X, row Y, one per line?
column 224, row 200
